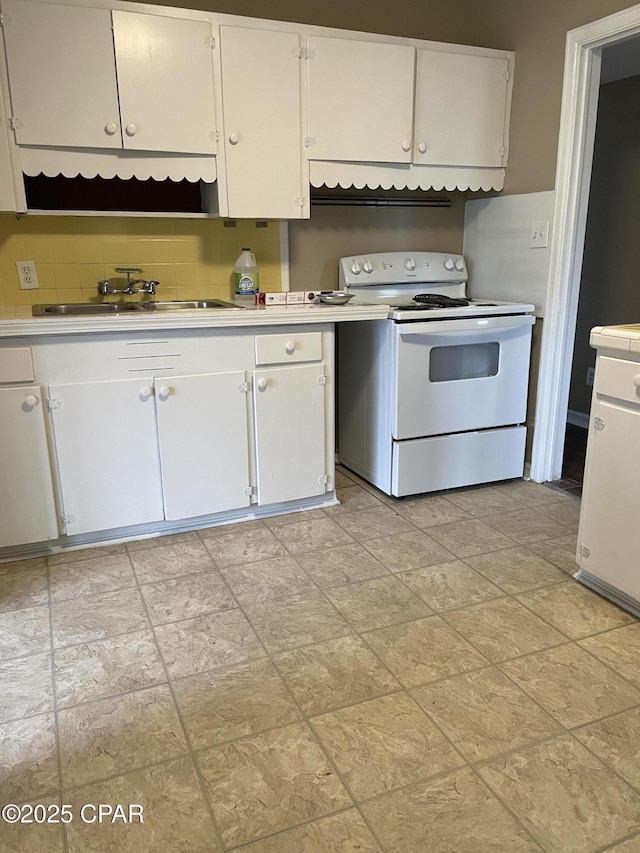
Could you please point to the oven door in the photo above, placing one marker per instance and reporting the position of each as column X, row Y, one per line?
column 459, row 375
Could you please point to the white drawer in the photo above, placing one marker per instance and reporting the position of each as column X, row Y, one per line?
column 618, row 378
column 16, row 365
column 290, row 348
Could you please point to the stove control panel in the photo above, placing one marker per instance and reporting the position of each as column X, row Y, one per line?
column 384, row 268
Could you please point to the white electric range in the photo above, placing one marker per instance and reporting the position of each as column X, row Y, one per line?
column 435, row 396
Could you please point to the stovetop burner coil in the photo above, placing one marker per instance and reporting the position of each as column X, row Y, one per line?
column 438, row 300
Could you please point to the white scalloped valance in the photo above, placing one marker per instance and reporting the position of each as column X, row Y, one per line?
column 399, row 176
column 143, row 165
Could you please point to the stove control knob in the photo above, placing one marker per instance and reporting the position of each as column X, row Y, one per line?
column 459, row 264
column 356, row 269
column 448, row 264
column 410, row 264
column 367, row 266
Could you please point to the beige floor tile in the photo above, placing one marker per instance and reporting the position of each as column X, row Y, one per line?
column 560, row 551
column 526, row 525
column 352, row 498
column 528, row 493
column 575, row 610
column 384, row 743
column 632, row 845
column 244, row 546
column 28, row 759
column 467, row 538
column 373, row 523
column 270, row 782
column 449, row 585
column 169, row 561
column 574, row 687
column 343, row 478
column 116, row 735
column 406, row 551
column 563, row 511
column 35, row 838
column 268, row 580
column 157, row 541
column 235, row 527
column 333, row 674
column 503, row 629
column 80, row 554
column 616, row 741
column 482, row 501
column 233, row 702
column 207, row 642
column 310, row 534
column 97, row 617
column 175, row 817
column 430, row 511
column 483, row 713
column 27, row 687
column 565, row 796
column 23, row 584
column 424, row 650
column 24, row 632
column 377, row 602
column 516, row 569
column 185, row 598
column 273, row 522
column 90, row 576
column 104, row 668
column 453, row 814
column 346, row 832
column 344, row 564
column 619, row 649
column 298, row 621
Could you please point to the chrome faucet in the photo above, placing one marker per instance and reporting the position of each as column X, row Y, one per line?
column 105, row 288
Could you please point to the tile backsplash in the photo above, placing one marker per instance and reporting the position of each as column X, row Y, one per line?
column 191, row 258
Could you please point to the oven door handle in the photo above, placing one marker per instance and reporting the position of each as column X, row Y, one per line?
column 464, row 326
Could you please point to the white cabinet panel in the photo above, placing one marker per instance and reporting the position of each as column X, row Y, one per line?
column 27, row 509
column 62, row 75
column 165, row 83
column 360, row 100
column 262, row 123
column 203, row 434
column 290, row 432
column 107, row 454
column 461, row 102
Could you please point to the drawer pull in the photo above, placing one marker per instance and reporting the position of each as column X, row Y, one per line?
column 262, row 384
column 291, row 348
column 31, row 401
column 146, row 392
column 164, row 392
column 636, row 380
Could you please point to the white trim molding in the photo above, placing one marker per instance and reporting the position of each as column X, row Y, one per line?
column 573, row 177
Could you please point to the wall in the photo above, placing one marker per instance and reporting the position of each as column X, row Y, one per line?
column 609, row 292
column 189, row 257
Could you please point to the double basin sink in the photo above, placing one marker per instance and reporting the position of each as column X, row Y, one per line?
column 81, row 309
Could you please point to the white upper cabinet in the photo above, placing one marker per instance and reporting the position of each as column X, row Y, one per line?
column 461, row 104
column 360, row 100
column 267, row 175
column 146, row 84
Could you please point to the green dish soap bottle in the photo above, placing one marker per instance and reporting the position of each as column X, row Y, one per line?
column 246, row 279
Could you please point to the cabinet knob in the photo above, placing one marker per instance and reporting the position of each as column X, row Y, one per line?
column 110, row 128
column 406, row 146
column 290, row 347
column 234, row 138
column 165, row 392
column 262, row 384
column 636, row 380
column 146, row 392
column 422, row 147
column 131, row 129
column 31, row 401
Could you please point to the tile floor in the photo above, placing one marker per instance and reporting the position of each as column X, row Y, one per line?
column 421, row 675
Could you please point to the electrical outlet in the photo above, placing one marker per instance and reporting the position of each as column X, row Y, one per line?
column 590, row 372
column 27, row 275
column 539, row 238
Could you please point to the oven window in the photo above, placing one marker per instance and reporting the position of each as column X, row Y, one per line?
column 464, row 361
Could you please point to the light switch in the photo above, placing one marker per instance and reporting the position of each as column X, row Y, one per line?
column 539, row 234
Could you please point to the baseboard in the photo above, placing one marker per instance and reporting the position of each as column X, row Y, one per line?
column 579, row 419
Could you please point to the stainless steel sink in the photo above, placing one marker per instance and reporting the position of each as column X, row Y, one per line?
column 82, row 309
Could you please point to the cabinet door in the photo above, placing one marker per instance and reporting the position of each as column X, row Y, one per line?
column 611, row 496
column 165, row 83
column 107, row 454
column 262, row 123
column 27, row 512
column 62, row 75
column 360, row 100
column 290, row 432
column 204, row 444
column 461, row 103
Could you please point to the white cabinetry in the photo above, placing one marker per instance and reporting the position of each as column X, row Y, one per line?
column 27, row 509
column 89, row 77
column 267, row 175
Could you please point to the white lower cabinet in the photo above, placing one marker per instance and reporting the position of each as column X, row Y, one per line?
column 27, row 508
